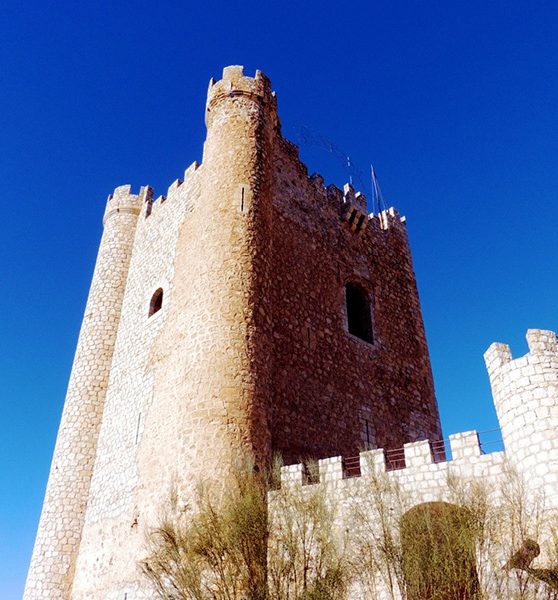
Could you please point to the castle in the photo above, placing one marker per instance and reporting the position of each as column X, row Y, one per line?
column 253, row 309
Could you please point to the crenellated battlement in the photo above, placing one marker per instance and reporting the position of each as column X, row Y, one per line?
column 234, row 84
column 354, row 204
column 349, row 202
column 525, row 392
column 542, row 343
column 526, row 398
column 172, row 190
column 173, row 187
column 387, row 219
column 353, row 198
column 537, row 369
column 292, row 150
column 122, row 201
column 411, row 462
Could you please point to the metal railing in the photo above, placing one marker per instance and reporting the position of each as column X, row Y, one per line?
column 490, row 441
column 351, row 467
column 440, row 451
column 395, row 459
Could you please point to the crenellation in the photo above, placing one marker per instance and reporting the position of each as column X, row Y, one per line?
column 541, row 341
column 525, row 392
column 354, row 205
column 174, row 187
column 292, row 474
column 390, row 218
column 335, row 194
column 191, row 169
column 122, row 201
column 121, row 191
column 290, row 148
column 465, row 445
column 496, row 356
column 467, row 461
column 318, row 182
column 352, row 197
column 331, row 469
column 224, row 325
column 235, row 85
column 418, row 453
column 372, row 462
column 146, row 194
column 360, row 200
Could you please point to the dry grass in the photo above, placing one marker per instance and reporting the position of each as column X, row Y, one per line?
column 229, row 547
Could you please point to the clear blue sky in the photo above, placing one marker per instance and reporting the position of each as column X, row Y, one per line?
column 455, row 103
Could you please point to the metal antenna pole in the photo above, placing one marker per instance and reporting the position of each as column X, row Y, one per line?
column 378, row 198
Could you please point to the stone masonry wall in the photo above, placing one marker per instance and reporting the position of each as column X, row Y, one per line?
column 521, row 482
column 525, row 392
column 197, row 375
column 68, row 490
column 354, row 500
column 123, row 480
column 250, row 353
column 328, row 385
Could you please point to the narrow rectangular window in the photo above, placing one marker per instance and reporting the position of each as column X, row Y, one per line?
column 359, row 319
column 138, row 428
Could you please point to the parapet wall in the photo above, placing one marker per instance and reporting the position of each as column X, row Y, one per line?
column 419, row 471
column 525, row 394
column 367, row 512
column 526, row 398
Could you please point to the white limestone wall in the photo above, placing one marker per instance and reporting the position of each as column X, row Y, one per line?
column 422, row 479
column 519, row 505
column 525, row 394
column 60, row 528
column 355, row 500
column 114, row 526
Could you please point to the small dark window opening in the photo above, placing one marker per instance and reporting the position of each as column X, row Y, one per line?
column 156, row 302
column 359, row 318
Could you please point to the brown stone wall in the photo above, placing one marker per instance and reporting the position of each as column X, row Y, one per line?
column 326, row 381
column 212, row 359
column 197, row 376
column 249, row 353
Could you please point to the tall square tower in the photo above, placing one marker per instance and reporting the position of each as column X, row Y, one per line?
column 250, row 310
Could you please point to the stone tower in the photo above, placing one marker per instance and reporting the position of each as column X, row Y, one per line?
column 525, row 392
column 251, row 309
column 60, row 527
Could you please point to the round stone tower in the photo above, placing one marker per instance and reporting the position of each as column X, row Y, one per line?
column 525, row 394
column 211, row 362
column 56, row 546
